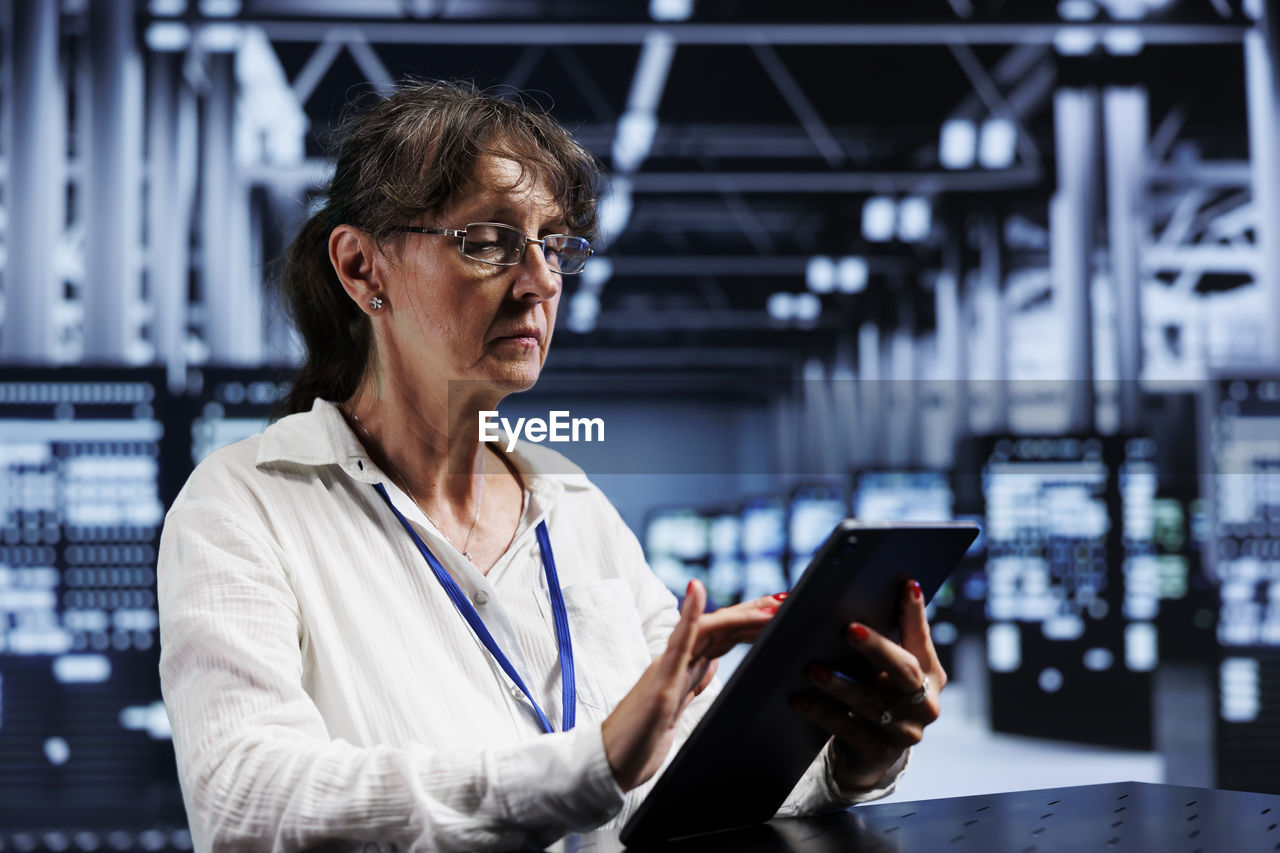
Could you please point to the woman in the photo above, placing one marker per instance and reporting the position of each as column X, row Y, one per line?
column 364, row 610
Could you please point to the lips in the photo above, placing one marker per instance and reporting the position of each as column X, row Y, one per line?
column 527, row 332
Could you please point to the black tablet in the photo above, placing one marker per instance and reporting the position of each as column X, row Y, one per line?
column 751, row 747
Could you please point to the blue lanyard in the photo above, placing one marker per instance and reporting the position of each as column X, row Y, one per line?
column 568, row 688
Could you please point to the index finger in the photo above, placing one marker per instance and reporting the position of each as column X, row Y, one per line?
column 916, row 637
column 725, row 628
column 680, row 644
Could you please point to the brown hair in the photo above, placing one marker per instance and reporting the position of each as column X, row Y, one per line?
column 409, row 156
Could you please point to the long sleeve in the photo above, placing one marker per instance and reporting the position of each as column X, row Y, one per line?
column 259, row 766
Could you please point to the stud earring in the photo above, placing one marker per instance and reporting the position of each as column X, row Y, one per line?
column 375, row 303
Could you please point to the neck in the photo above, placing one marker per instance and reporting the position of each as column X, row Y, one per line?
column 428, row 441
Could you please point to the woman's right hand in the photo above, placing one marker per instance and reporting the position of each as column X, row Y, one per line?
column 639, row 732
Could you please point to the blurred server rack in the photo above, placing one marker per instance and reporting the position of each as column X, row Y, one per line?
column 1072, row 600
column 1241, row 460
column 90, row 459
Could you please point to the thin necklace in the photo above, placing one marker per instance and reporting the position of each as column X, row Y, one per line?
column 404, row 484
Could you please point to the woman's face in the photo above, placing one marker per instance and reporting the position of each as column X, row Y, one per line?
column 459, row 319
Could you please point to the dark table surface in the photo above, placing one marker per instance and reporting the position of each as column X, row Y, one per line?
column 1121, row 816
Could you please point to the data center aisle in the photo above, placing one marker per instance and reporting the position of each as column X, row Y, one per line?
column 961, row 755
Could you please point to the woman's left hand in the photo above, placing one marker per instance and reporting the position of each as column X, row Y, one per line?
column 874, row 723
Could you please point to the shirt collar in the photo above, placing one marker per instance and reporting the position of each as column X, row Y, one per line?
column 322, row 437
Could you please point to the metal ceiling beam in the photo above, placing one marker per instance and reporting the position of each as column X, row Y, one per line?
column 1003, row 180
column 679, row 320
column 317, row 65
column 747, row 220
column 570, row 356
column 423, row 33
column 314, row 172
column 370, row 64
column 1010, row 73
column 791, row 90
column 1212, row 173
column 739, row 265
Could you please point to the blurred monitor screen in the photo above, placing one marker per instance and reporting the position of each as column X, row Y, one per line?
column 764, row 531
column 231, row 404
column 677, row 542
column 682, row 534
column 725, row 581
column 763, row 576
column 84, row 481
column 902, row 496
column 726, row 535
column 814, row 512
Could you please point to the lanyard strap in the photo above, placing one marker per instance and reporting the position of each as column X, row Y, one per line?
column 568, row 687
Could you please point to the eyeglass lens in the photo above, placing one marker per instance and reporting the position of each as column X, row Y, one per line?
column 503, row 245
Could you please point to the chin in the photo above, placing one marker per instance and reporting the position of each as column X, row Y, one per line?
column 516, row 380
column 509, row 375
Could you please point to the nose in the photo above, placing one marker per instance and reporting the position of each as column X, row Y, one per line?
column 535, row 280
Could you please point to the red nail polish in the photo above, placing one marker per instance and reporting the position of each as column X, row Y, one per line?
column 916, row 592
column 802, row 703
column 820, row 673
column 781, row 596
column 769, row 609
column 858, row 632
column 688, row 590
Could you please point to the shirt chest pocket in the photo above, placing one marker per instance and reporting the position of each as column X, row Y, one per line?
column 609, row 648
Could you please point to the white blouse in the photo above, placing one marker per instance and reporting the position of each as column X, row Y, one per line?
column 322, row 687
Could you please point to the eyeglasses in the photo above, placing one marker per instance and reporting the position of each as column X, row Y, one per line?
column 503, row 245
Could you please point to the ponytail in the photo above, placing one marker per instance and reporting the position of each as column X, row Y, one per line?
column 337, row 334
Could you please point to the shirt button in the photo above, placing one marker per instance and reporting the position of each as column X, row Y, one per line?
column 481, row 598
column 517, row 693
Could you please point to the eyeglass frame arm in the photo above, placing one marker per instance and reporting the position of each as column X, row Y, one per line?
column 442, row 232
column 462, row 234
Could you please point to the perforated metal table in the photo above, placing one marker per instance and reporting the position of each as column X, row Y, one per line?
column 1122, row 816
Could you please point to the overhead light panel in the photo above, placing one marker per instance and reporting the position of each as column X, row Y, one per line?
column 219, row 8
column 820, row 274
column 1123, row 41
column 220, row 38
column 584, row 308
column 781, row 306
column 997, row 143
column 878, row 216
column 915, row 219
column 670, row 10
column 1127, row 10
column 806, row 307
column 1077, row 10
column 615, row 209
column 167, row 37
column 852, row 274
column 1070, row 41
column 957, row 144
column 596, row 274
column 634, row 139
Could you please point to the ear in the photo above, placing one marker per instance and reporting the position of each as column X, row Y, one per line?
column 355, row 258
